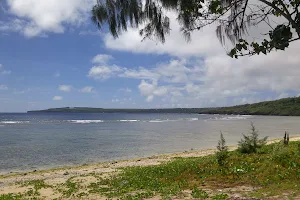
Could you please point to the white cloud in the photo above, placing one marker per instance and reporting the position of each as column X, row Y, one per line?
column 150, row 90
column 87, row 89
column 104, row 72
column 126, row 90
column 47, row 15
column 101, row 59
column 201, row 74
column 3, row 87
column 90, row 33
column 57, row 74
column 57, row 98
column 4, row 72
column 65, row 88
column 204, row 42
column 220, row 80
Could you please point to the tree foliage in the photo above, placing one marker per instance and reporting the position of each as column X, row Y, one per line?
column 232, row 17
column 251, row 143
column 222, row 153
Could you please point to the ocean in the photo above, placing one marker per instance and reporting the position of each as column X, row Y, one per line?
column 30, row 141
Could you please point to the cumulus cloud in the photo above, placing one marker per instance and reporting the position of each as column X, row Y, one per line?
column 57, row 98
column 3, row 87
column 65, row 88
column 46, row 16
column 201, row 74
column 150, row 90
column 103, row 72
column 102, row 59
column 87, row 89
column 220, row 80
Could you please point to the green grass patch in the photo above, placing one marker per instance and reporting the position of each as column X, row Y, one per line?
column 16, row 197
column 71, row 188
column 274, row 170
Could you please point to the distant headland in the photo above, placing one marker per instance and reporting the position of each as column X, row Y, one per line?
column 281, row 107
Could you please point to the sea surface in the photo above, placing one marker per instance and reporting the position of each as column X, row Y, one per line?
column 46, row 140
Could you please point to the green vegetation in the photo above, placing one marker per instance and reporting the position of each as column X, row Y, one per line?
column 274, row 172
column 222, row 153
column 71, row 188
column 16, row 197
column 251, row 143
column 283, row 107
column 37, row 185
column 199, row 194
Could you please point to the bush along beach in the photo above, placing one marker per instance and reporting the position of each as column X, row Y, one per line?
column 254, row 170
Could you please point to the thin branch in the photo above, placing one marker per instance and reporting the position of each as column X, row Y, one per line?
column 245, row 7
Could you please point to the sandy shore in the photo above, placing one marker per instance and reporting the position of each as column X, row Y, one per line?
column 10, row 183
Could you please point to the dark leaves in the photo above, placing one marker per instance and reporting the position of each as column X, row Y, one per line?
column 232, row 17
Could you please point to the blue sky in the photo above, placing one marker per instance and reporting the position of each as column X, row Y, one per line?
column 53, row 56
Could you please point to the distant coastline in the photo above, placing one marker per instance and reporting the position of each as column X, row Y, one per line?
column 281, row 107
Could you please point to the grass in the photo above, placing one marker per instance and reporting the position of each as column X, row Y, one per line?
column 274, row 170
column 16, row 197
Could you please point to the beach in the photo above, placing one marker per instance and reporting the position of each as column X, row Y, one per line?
column 87, row 174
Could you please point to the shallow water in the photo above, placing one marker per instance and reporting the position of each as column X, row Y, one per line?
column 46, row 140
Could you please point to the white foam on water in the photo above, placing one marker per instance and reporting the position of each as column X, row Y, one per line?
column 237, row 117
column 156, row 121
column 14, row 122
column 129, row 120
column 192, row 119
column 85, row 121
column 173, row 120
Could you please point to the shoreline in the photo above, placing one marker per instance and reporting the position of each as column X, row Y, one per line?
column 143, row 161
column 139, row 161
column 14, row 183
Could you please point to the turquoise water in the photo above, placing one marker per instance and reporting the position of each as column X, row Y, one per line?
column 45, row 140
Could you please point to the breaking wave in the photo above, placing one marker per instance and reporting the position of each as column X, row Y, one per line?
column 85, row 121
column 14, row 122
column 173, row 120
column 128, row 120
column 236, row 117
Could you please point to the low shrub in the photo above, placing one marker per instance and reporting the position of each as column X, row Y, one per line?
column 222, row 153
column 251, row 143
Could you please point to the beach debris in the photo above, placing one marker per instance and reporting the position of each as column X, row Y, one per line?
column 286, row 138
column 66, row 173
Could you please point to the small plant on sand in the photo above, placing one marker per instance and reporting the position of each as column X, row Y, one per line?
column 220, row 196
column 222, row 153
column 251, row 143
column 199, row 194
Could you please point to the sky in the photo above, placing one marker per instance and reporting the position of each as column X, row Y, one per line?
column 52, row 55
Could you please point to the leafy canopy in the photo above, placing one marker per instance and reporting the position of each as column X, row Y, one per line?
column 233, row 18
